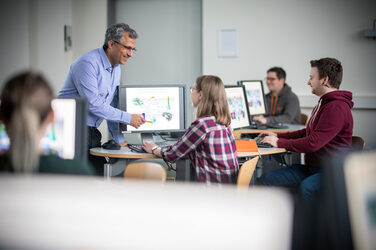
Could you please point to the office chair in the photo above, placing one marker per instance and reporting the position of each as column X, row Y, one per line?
column 145, row 170
column 303, row 119
column 246, row 172
column 358, row 143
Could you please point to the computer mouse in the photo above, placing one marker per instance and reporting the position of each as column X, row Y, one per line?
column 111, row 145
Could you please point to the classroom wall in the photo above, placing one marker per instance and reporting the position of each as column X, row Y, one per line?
column 289, row 34
column 14, row 30
column 169, row 43
column 32, row 36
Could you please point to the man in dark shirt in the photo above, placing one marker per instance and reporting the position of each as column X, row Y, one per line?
column 283, row 105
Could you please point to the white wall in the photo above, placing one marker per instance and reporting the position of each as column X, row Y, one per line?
column 32, row 36
column 169, row 43
column 47, row 20
column 14, row 30
column 289, row 34
column 89, row 24
column 89, row 18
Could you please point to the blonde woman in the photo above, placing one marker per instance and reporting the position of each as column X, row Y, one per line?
column 208, row 142
column 26, row 111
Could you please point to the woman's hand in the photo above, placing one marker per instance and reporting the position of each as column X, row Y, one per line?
column 148, row 145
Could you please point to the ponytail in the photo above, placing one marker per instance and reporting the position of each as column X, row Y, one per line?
column 23, row 135
column 25, row 105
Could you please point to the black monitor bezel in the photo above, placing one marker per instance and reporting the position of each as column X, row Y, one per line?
column 240, row 83
column 122, row 106
column 246, row 106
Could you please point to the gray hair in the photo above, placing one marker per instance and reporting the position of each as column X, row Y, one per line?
column 115, row 33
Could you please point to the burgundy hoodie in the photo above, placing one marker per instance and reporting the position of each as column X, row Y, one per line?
column 328, row 130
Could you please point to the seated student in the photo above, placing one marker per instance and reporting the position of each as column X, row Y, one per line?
column 26, row 111
column 208, row 141
column 282, row 104
column 329, row 130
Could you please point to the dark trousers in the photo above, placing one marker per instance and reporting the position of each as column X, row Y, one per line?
column 94, row 141
column 306, row 180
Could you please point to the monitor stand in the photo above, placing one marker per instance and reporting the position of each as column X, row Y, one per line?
column 254, row 125
column 147, row 137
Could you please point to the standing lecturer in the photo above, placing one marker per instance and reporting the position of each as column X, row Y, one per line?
column 95, row 76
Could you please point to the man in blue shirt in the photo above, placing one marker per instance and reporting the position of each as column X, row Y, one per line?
column 95, row 76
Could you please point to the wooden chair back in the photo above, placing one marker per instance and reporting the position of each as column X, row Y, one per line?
column 246, row 172
column 303, row 119
column 358, row 143
column 145, row 170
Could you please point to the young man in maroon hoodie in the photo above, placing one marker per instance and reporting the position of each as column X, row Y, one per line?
column 329, row 130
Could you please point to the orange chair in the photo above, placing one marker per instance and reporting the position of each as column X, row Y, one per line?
column 303, row 119
column 246, row 172
column 145, row 170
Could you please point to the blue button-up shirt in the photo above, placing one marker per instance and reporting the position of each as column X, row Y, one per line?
column 91, row 76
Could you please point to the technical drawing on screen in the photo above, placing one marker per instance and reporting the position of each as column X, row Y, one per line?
column 255, row 96
column 161, row 105
column 238, row 107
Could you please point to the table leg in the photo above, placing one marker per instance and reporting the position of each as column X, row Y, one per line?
column 107, row 171
column 183, row 170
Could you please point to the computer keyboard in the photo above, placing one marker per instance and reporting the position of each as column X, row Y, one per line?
column 136, row 148
column 261, row 144
column 276, row 125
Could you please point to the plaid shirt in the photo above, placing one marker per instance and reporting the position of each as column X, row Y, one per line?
column 211, row 149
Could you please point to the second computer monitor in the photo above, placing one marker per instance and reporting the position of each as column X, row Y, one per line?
column 238, row 106
column 255, row 96
column 163, row 107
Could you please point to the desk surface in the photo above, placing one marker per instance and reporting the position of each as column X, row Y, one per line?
column 125, row 152
column 290, row 128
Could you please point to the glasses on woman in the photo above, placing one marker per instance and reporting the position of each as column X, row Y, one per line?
column 192, row 88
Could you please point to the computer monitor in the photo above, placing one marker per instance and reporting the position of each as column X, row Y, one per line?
column 255, row 96
column 163, row 107
column 238, row 106
column 67, row 136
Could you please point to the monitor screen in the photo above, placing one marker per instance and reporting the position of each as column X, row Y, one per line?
column 163, row 107
column 255, row 96
column 67, row 135
column 238, row 107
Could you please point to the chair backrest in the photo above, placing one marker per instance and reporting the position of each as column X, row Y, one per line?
column 303, row 119
column 246, row 172
column 145, row 170
column 358, row 143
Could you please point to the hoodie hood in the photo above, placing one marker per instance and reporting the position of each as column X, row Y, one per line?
column 286, row 89
column 338, row 95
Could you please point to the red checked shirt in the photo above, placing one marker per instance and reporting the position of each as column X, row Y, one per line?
column 211, row 149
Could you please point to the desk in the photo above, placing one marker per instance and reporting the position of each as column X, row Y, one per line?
column 183, row 173
column 290, row 128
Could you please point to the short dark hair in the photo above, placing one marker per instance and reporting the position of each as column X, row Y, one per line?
column 331, row 68
column 116, row 31
column 279, row 71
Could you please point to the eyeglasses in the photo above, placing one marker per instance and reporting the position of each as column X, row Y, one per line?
column 270, row 79
column 192, row 88
column 126, row 47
